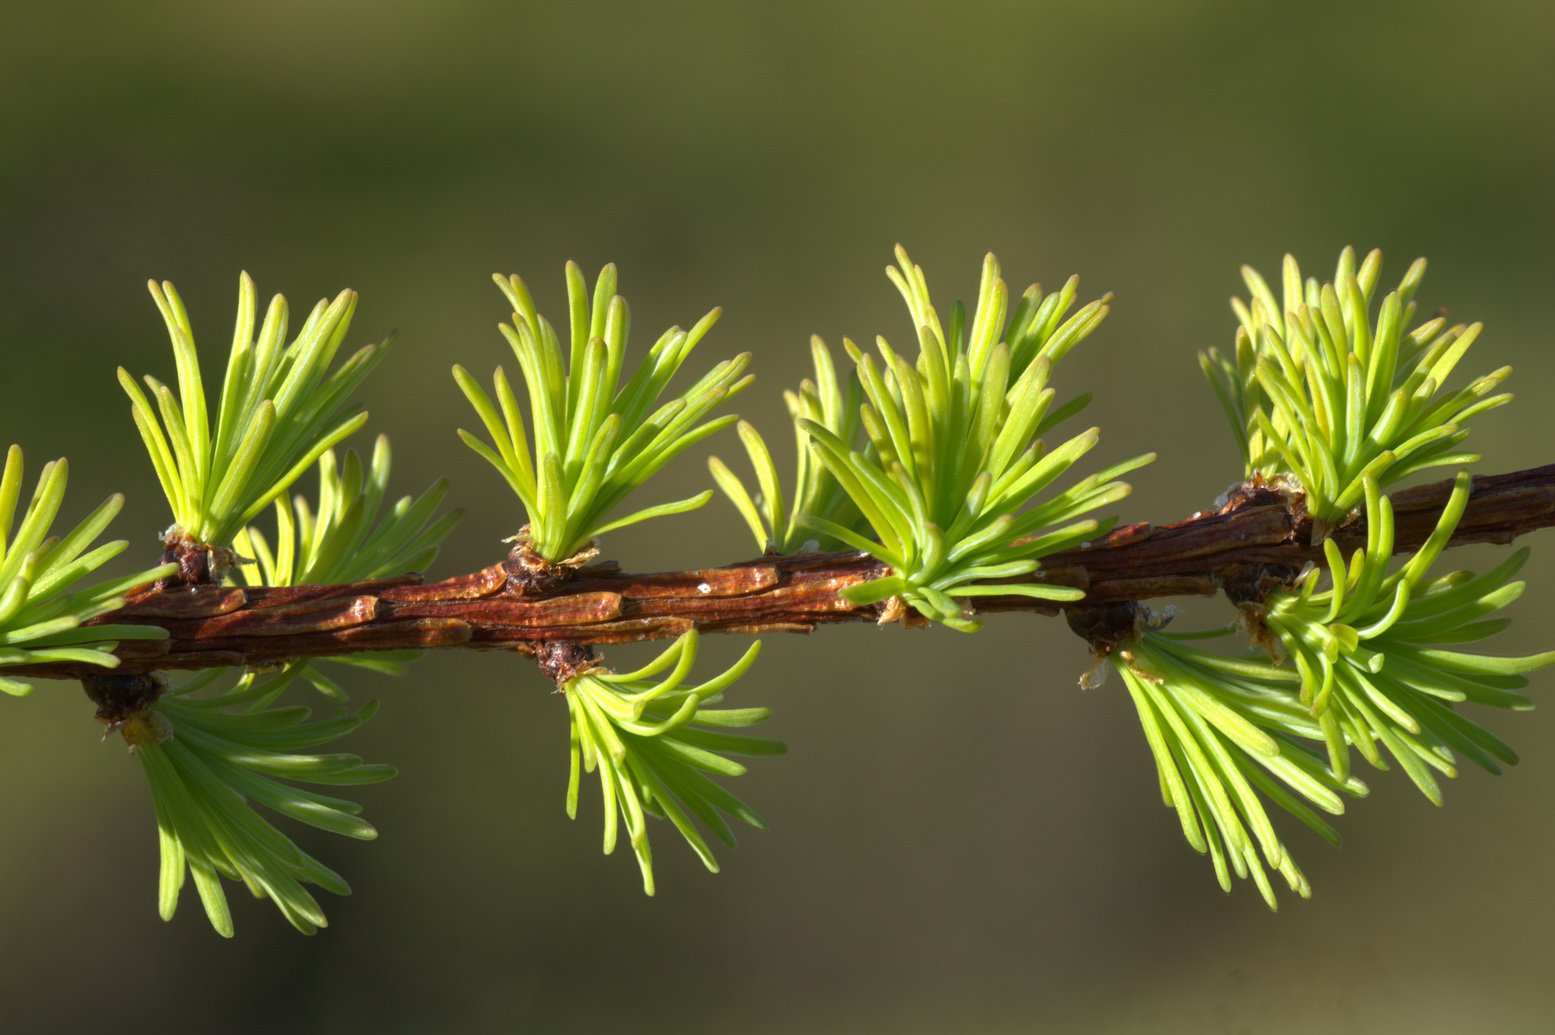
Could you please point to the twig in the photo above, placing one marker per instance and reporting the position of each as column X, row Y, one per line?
column 490, row 609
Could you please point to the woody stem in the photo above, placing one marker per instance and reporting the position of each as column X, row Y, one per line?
column 496, row 608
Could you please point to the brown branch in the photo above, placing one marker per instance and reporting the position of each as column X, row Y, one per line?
column 497, row 608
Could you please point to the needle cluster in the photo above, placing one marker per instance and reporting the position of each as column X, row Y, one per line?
column 946, row 464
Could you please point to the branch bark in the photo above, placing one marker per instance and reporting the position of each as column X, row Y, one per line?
column 493, row 609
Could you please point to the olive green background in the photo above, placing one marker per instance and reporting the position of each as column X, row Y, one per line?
column 961, row 839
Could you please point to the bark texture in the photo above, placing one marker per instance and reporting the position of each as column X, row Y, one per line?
column 1258, row 535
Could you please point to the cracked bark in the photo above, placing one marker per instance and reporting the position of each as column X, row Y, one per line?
column 496, row 609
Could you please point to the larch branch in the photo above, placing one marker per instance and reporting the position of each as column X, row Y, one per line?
column 495, row 608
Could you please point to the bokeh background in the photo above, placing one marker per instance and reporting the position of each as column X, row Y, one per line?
column 961, row 839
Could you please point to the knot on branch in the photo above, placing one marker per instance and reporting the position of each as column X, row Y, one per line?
column 529, row 573
column 1257, row 491
column 1248, row 586
column 1282, row 491
column 1106, row 627
column 1111, row 629
column 199, row 564
column 560, row 660
column 124, row 705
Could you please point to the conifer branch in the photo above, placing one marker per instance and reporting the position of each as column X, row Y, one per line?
column 930, row 489
column 494, row 608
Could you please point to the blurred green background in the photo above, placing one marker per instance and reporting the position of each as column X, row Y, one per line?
column 961, row 839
